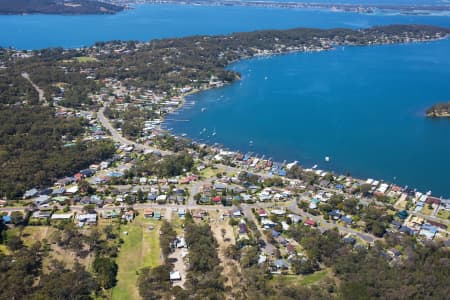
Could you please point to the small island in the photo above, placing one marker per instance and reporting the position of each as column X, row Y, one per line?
column 72, row 7
column 440, row 110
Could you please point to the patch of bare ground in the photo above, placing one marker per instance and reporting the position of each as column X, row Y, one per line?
column 224, row 235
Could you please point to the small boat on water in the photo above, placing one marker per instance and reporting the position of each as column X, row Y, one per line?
column 203, row 109
column 183, row 134
column 314, row 167
column 327, row 158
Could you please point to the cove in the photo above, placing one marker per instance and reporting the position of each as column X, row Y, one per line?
column 362, row 106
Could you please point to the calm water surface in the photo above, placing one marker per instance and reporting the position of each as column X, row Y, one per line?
column 363, row 107
column 158, row 21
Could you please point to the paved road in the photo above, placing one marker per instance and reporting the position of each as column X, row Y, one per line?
column 117, row 137
column 195, row 190
column 247, row 209
column 324, row 225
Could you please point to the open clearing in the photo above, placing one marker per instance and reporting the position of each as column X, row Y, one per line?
column 302, row 280
column 225, row 237
column 32, row 234
column 84, row 59
column 140, row 249
column 444, row 214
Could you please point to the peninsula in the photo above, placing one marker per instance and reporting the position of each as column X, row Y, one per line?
column 154, row 77
column 100, row 201
column 72, row 7
column 440, row 110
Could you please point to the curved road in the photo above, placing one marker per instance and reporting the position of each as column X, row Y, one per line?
column 117, row 137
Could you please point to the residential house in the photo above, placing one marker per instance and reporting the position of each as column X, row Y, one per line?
column 148, row 213
column 90, row 219
column 280, row 264
column 61, row 217
column 310, row 222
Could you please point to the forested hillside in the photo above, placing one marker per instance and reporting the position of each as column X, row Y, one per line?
column 57, row 7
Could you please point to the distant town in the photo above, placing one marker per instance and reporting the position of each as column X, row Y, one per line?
column 407, row 9
column 130, row 210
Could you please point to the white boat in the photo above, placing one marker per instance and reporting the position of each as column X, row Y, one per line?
column 314, row 167
column 327, row 158
column 203, row 109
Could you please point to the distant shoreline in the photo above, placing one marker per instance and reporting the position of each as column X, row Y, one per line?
column 53, row 7
column 338, row 7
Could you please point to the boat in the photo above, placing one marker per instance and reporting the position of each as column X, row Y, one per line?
column 203, row 109
column 327, row 158
column 314, row 167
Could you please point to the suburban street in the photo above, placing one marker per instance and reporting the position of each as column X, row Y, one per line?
column 195, row 188
column 117, row 137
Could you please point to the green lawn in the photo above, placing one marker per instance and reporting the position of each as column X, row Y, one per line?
column 313, row 278
column 444, row 214
column 177, row 223
column 210, row 172
column 83, row 59
column 140, row 249
column 426, row 210
column 4, row 249
column 301, row 279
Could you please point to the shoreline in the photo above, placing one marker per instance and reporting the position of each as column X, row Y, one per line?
column 437, row 115
column 366, row 9
column 225, row 148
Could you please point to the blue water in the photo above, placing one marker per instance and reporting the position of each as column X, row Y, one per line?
column 362, row 106
column 158, row 21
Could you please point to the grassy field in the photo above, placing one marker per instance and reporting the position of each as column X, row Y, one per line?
column 210, row 172
column 313, row 278
column 426, row 210
column 31, row 234
column 177, row 223
column 140, row 249
column 303, row 280
column 444, row 214
column 84, row 59
column 4, row 249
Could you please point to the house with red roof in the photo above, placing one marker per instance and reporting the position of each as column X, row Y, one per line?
column 310, row 222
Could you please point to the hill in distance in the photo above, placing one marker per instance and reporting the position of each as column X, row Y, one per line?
column 72, row 7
